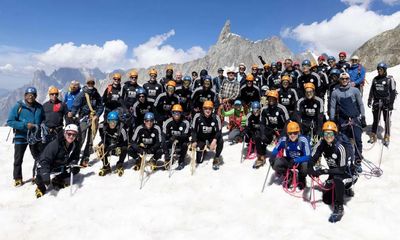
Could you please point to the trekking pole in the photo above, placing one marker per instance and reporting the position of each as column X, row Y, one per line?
column 265, row 181
column 71, row 178
column 193, row 161
column 172, row 157
column 8, row 135
column 142, row 163
column 241, row 153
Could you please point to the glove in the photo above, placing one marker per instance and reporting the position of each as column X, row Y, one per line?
column 259, row 57
column 369, row 104
column 75, row 170
column 363, row 122
column 117, row 151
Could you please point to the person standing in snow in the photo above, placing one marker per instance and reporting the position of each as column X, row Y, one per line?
column 153, row 89
column 25, row 118
column 69, row 98
column 357, row 73
column 381, row 98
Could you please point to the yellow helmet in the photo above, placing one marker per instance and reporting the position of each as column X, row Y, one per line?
column 208, row 104
column 177, row 108
column 329, row 126
column 309, row 85
column 266, row 65
column 293, row 127
column 273, row 93
column 254, row 66
column 152, row 71
column 116, row 76
column 133, row 73
column 250, row 77
column 53, row 90
column 170, row 67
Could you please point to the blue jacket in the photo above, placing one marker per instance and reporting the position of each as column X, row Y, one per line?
column 346, row 102
column 298, row 151
column 70, row 97
column 357, row 73
column 80, row 105
column 19, row 121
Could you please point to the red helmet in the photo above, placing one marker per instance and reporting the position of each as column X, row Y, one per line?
column 343, row 53
column 321, row 58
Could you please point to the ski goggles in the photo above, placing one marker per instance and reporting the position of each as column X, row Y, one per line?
column 71, row 134
column 329, row 134
column 176, row 113
column 112, row 122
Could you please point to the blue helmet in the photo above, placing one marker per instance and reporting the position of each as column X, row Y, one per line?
column 31, row 90
column 331, row 58
column 112, row 116
column 255, row 105
column 208, row 77
column 187, row 78
column 381, row 65
column 237, row 102
column 335, row 71
column 149, row 116
column 273, row 64
column 140, row 91
column 306, row 63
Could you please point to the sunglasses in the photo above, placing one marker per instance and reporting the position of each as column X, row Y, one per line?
column 329, row 134
column 117, row 79
column 176, row 113
column 71, row 134
column 148, row 120
column 207, row 108
column 133, row 77
column 53, row 94
column 293, row 133
column 346, row 78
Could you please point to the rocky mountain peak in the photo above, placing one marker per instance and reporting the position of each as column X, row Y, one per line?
column 226, row 30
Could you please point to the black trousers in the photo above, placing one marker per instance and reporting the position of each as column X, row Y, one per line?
column 181, row 149
column 19, row 151
column 201, row 145
column 338, row 190
column 133, row 151
column 61, row 176
column 121, row 159
column 376, row 112
column 281, row 165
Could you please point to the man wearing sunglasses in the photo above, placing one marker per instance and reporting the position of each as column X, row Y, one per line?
column 202, row 94
column 164, row 103
column 112, row 97
column 176, row 131
column 69, row 97
column 332, row 65
column 343, row 64
column 308, row 76
column 153, row 89
column 338, row 153
column 184, row 94
column 207, row 130
column 129, row 90
column 146, row 139
column 296, row 150
column 169, row 76
column 89, row 106
column 357, row 73
column 54, row 112
column 322, row 66
column 310, row 113
column 217, row 81
column 347, row 109
column 288, row 96
column 114, row 138
column 249, row 92
column 241, row 74
column 59, row 157
column 291, row 71
column 23, row 117
column 141, row 107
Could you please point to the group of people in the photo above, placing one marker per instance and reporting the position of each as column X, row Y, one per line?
column 306, row 110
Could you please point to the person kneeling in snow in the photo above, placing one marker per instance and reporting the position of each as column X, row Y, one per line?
column 295, row 151
column 60, row 156
column 114, row 141
column 339, row 155
column 237, row 122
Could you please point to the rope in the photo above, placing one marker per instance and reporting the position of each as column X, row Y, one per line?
column 317, row 180
column 32, row 135
column 294, row 184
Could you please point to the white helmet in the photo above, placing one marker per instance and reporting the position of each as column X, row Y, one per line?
column 71, row 127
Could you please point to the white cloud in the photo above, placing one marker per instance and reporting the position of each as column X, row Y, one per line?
column 155, row 51
column 106, row 57
column 6, row 68
column 391, row 2
column 346, row 31
column 366, row 3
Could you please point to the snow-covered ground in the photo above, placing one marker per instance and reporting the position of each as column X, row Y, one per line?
column 224, row 204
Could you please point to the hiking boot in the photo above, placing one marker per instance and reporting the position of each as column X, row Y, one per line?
column 338, row 209
column 59, row 183
column 38, row 193
column 217, row 162
column 372, row 138
column 302, row 183
column 153, row 164
column 18, row 182
column 349, row 192
column 166, row 164
column 259, row 162
column 85, row 162
column 357, row 166
column 386, row 140
column 180, row 166
column 104, row 171
column 120, row 171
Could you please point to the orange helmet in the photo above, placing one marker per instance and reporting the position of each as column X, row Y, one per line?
column 254, row 66
column 309, row 85
column 285, row 78
column 171, row 83
column 293, row 127
column 133, row 73
column 152, row 71
column 177, row 108
column 208, row 104
column 250, row 77
column 116, row 76
column 53, row 90
column 329, row 126
column 266, row 65
column 273, row 93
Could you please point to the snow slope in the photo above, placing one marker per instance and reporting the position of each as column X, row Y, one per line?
column 224, row 204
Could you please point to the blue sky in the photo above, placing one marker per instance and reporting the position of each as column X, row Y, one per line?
column 30, row 28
